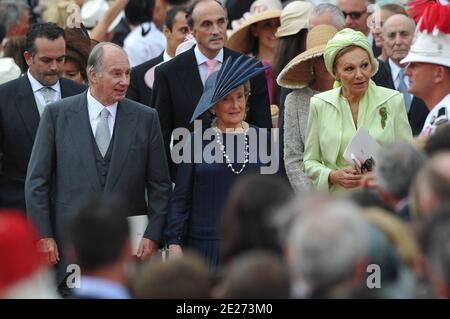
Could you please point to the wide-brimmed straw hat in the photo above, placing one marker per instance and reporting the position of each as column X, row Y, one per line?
column 297, row 73
column 232, row 74
column 240, row 39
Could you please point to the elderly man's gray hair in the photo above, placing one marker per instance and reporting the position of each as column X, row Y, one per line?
column 322, row 8
column 324, row 245
column 10, row 11
column 396, row 167
column 95, row 58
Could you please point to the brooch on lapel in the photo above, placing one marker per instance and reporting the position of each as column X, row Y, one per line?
column 384, row 114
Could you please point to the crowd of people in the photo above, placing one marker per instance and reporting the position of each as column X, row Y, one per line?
column 227, row 129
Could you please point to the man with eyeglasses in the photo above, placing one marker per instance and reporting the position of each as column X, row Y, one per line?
column 355, row 14
column 428, row 66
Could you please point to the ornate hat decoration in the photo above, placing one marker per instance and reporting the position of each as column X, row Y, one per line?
column 233, row 73
column 432, row 39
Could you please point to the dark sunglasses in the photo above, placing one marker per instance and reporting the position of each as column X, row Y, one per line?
column 354, row 15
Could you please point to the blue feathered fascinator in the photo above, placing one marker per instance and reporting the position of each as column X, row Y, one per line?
column 233, row 73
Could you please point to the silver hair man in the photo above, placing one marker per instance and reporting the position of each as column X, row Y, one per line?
column 397, row 166
column 326, row 13
column 95, row 57
column 11, row 12
column 326, row 246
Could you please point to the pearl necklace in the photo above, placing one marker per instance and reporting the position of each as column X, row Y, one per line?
column 225, row 155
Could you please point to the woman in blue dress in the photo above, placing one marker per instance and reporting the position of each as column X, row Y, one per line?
column 218, row 156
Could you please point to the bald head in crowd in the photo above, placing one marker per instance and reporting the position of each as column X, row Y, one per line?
column 398, row 34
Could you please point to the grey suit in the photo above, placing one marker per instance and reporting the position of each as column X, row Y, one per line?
column 62, row 171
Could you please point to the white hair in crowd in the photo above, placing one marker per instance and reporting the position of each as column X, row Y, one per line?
column 322, row 8
column 324, row 245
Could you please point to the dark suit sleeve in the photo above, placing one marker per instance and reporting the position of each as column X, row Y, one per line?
column 180, row 203
column 162, row 102
column 39, row 175
column 259, row 111
column 417, row 115
column 159, row 186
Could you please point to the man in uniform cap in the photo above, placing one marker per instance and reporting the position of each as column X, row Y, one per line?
column 429, row 62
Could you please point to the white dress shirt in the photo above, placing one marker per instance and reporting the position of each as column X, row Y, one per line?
column 395, row 71
column 201, row 62
column 94, row 109
column 36, row 86
column 370, row 38
column 144, row 43
column 166, row 57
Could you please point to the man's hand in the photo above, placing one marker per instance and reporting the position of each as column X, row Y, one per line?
column 175, row 251
column 49, row 249
column 147, row 248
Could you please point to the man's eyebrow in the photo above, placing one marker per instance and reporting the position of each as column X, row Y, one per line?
column 119, row 69
column 206, row 20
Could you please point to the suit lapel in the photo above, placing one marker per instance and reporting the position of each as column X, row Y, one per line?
column 190, row 77
column 124, row 132
column 389, row 73
column 67, row 88
column 26, row 105
column 81, row 131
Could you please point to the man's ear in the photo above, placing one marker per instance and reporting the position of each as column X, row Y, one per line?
column 166, row 32
column 92, row 76
column 28, row 58
column 441, row 74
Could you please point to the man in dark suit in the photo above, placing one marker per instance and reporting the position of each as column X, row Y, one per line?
column 97, row 142
column 398, row 32
column 179, row 83
column 356, row 15
column 21, row 103
column 175, row 30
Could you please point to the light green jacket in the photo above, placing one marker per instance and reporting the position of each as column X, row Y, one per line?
column 330, row 128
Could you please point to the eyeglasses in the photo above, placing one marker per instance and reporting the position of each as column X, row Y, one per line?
column 354, row 15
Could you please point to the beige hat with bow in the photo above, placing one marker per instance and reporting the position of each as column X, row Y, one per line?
column 293, row 18
column 298, row 72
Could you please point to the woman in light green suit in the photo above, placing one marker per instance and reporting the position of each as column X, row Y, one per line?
column 354, row 102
